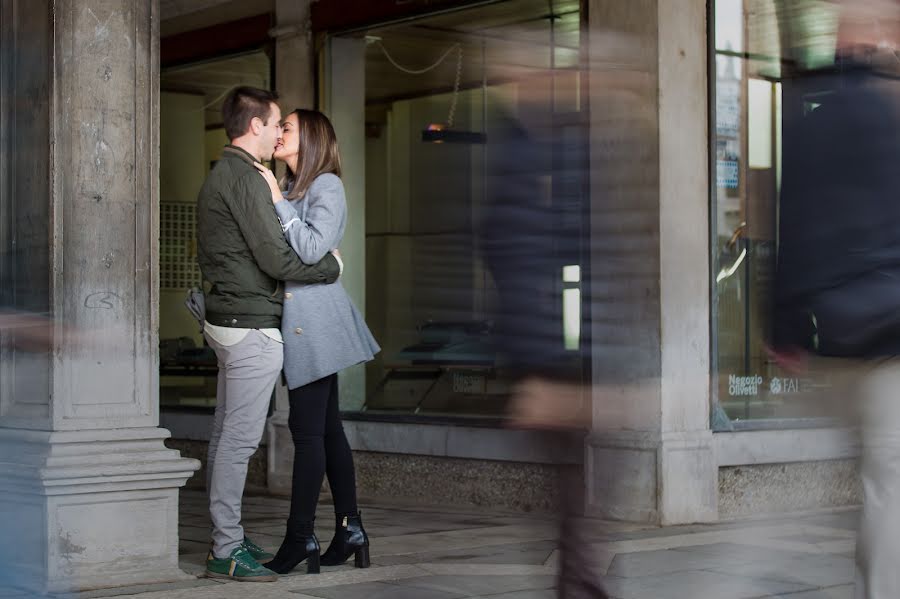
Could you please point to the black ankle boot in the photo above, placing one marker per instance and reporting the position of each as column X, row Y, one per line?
column 349, row 539
column 299, row 544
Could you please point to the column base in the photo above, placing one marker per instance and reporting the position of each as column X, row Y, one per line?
column 89, row 509
column 654, row 478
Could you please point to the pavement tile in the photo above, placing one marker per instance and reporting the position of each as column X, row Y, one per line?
column 808, row 538
column 485, row 570
column 193, row 563
column 697, row 585
column 542, row 594
column 400, row 530
column 465, row 539
column 666, row 561
column 194, row 533
column 818, row 571
column 380, row 590
column 533, row 553
column 347, row 575
column 840, row 592
column 844, row 547
column 746, row 553
column 846, row 520
column 149, row 588
column 436, row 553
column 468, row 585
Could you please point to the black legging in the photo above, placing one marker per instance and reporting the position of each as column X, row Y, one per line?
column 320, row 446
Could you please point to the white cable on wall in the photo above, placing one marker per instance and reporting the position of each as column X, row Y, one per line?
column 409, row 71
column 455, row 88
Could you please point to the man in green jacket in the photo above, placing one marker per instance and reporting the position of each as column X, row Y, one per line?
column 244, row 258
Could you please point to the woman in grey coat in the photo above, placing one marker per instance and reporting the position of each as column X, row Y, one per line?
column 323, row 334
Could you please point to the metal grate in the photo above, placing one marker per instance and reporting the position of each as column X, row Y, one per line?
column 178, row 267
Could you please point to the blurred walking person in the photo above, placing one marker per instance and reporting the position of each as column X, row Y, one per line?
column 526, row 243
column 838, row 279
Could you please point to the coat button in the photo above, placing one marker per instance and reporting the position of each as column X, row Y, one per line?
column 288, row 295
column 298, row 330
column 234, row 321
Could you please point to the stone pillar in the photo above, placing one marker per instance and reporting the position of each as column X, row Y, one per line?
column 295, row 83
column 345, row 106
column 294, row 56
column 88, row 490
column 650, row 456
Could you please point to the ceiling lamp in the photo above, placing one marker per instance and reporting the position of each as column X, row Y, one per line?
column 440, row 132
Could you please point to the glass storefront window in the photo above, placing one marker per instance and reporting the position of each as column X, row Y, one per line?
column 191, row 140
column 26, row 321
column 755, row 43
column 438, row 91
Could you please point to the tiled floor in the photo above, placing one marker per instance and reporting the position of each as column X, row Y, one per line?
column 420, row 553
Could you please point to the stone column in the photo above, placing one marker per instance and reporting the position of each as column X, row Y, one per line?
column 345, row 107
column 650, row 456
column 345, row 104
column 295, row 83
column 88, row 490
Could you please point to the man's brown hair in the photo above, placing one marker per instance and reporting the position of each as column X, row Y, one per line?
column 244, row 104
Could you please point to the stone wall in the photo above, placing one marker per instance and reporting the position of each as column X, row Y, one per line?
column 778, row 488
column 420, row 480
column 457, row 482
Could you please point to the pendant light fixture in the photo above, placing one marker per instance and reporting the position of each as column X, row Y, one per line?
column 438, row 132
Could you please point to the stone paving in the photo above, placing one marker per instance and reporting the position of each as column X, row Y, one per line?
column 420, row 553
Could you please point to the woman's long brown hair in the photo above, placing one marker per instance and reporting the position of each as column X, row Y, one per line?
column 319, row 152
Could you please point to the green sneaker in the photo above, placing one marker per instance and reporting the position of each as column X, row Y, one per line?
column 240, row 565
column 258, row 553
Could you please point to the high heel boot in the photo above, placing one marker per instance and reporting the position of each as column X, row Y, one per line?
column 299, row 544
column 349, row 539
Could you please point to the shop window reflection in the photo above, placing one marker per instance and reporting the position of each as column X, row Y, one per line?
column 430, row 296
column 756, row 43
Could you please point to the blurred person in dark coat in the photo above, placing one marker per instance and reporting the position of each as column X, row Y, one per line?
column 526, row 242
column 838, row 279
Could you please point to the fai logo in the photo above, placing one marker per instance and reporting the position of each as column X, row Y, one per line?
column 779, row 386
column 776, row 387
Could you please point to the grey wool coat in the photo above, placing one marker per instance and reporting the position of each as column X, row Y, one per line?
column 323, row 331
